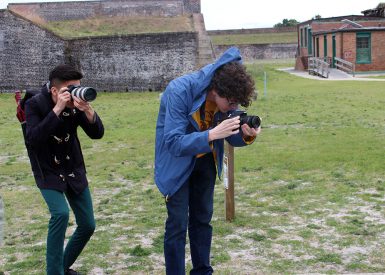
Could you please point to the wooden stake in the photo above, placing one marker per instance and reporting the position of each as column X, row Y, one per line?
column 2, row 221
column 228, row 181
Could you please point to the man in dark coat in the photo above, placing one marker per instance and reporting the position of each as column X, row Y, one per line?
column 52, row 119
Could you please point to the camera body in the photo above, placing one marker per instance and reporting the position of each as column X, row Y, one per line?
column 85, row 93
column 252, row 121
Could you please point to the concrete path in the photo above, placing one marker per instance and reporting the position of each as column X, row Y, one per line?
column 335, row 74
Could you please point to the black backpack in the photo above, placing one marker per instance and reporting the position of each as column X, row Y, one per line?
column 20, row 109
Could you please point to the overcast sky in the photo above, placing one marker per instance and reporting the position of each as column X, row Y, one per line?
column 238, row 14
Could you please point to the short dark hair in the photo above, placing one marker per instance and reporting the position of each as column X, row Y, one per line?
column 233, row 82
column 63, row 73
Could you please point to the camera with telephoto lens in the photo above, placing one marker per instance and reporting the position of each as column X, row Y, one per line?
column 252, row 121
column 85, row 93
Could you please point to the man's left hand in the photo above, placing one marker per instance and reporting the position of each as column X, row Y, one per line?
column 85, row 107
column 250, row 132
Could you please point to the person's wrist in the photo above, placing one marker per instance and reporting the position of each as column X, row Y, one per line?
column 211, row 135
column 57, row 110
column 89, row 111
column 90, row 114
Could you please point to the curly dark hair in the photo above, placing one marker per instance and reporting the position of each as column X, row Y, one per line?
column 234, row 83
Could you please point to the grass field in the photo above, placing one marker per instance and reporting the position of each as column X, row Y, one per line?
column 257, row 38
column 310, row 193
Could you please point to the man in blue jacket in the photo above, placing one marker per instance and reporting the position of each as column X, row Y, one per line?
column 52, row 119
column 190, row 133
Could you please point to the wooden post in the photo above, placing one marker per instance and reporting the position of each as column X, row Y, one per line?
column 228, row 181
column 2, row 221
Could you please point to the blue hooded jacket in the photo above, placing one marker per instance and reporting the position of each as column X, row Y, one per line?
column 178, row 137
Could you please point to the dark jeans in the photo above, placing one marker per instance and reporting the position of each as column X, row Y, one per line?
column 81, row 205
column 191, row 206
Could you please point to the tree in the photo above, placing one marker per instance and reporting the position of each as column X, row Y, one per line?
column 317, row 17
column 286, row 23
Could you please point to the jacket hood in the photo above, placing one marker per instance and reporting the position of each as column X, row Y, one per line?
column 206, row 74
column 197, row 82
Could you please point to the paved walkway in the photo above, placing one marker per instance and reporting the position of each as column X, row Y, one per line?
column 335, row 74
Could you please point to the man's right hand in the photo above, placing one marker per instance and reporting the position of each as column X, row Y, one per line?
column 225, row 129
column 63, row 98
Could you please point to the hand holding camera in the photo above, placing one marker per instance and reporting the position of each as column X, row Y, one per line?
column 251, row 121
column 225, row 129
column 63, row 100
column 235, row 121
column 76, row 96
column 81, row 97
column 250, row 125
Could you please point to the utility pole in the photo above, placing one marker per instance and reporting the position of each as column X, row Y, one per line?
column 228, row 181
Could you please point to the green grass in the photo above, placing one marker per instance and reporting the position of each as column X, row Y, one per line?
column 372, row 76
column 309, row 193
column 106, row 26
column 258, row 38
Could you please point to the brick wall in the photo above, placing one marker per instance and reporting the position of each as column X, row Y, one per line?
column 192, row 6
column 57, row 11
column 252, row 31
column 253, row 52
column 27, row 53
column 118, row 63
column 377, row 53
column 346, row 49
column 135, row 62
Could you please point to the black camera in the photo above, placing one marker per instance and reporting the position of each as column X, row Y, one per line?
column 252, row 121
column 85, row 93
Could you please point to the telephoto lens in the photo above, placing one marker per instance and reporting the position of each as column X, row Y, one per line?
column 85, row 93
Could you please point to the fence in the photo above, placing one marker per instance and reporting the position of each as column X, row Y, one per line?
column 344, row 65
column 317, row 66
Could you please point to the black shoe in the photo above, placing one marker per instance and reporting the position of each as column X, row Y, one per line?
column 71, row 272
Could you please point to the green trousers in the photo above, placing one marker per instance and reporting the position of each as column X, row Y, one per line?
column 81, row 204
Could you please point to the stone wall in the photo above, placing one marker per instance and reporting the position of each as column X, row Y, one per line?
column 134, row 62
column 58, row 11
column 252, row 52
column 192, row 6
column 27, row 53
column 117, row 63
column 252, row 31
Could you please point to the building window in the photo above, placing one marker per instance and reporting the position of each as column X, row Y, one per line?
column 363, row 48
column 310, row 42
column 305, row 40
column 301, row 42
column 325, row 47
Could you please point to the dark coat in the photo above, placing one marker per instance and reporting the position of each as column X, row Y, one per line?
column 54, row 148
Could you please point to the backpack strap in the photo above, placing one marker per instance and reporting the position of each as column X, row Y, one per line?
column 42, row 103
column 43, row 106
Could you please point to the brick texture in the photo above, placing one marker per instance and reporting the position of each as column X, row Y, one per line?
column 346, row 42
column 254, row 52
column 117, row 63
column 135, row 62
column 58, row 11
column 27, row 53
